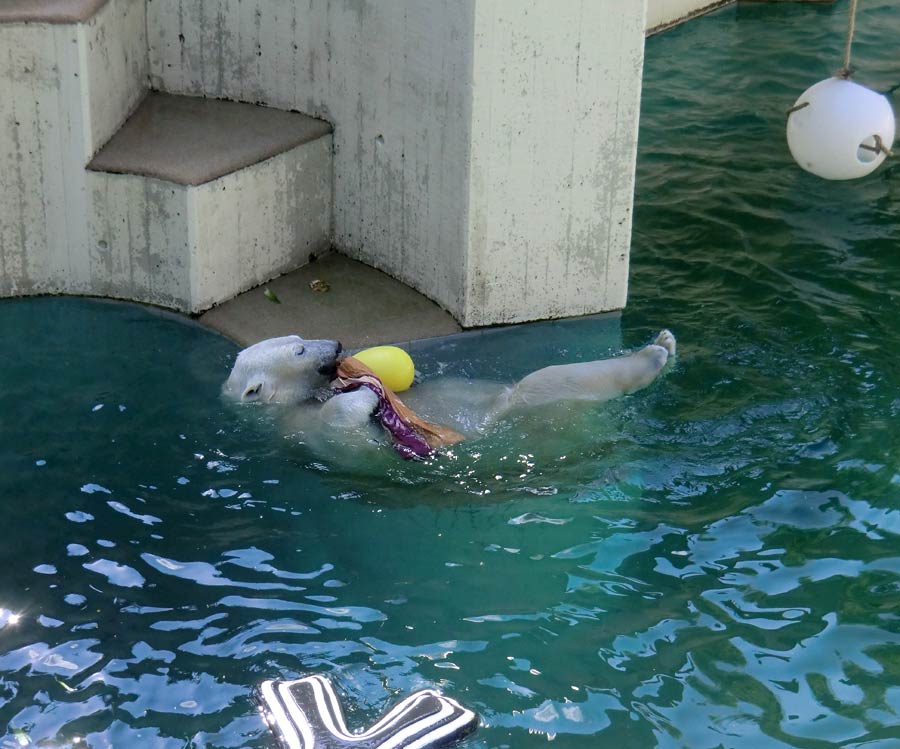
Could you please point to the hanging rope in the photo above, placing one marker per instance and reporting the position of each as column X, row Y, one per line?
column 845, row 72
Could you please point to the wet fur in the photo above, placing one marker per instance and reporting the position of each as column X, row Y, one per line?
column 296, row 373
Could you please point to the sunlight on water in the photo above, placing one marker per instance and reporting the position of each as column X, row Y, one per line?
column 712, row 562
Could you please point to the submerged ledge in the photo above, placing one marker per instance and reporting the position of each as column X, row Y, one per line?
column 352, row 302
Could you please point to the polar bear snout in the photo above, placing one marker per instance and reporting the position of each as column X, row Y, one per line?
column 329, row 367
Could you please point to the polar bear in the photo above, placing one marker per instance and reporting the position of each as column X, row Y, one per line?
column 297, row 373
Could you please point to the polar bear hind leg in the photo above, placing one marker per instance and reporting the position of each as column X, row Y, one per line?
column 599, row 380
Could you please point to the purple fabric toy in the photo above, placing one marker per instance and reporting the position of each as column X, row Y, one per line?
column 406, row 440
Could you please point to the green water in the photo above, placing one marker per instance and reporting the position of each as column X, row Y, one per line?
column 713, row 562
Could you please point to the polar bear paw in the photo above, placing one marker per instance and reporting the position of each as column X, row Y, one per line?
column 667, row 341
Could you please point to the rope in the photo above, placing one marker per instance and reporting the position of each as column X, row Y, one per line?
column 879, row 147
column 845, row 72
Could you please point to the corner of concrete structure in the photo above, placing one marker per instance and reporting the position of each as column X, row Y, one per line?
column 402, row 141
column 461, row 309
column 114, row 69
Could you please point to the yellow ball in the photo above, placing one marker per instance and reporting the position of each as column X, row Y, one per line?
column 393, row 366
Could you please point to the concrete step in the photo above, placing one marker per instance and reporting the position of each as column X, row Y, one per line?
column 196, row 200
column 48, row 11
column 190, row 140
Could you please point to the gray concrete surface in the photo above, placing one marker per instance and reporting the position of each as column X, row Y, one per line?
column 362, row 307
column 48, row 11
column 190, row 140
column 64, row 90
column 498, row 186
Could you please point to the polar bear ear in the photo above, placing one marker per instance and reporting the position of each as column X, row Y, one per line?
column 253, row 391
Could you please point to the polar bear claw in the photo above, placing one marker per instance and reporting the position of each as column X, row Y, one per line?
column 666, row 340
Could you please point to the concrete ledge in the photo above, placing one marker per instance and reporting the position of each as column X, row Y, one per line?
column 362, row 307
column 189, row 141
column 670, row 14
column 193, row 246
column 663, row 15
column 48, row 11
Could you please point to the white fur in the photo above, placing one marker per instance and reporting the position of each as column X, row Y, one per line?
column 296, row 372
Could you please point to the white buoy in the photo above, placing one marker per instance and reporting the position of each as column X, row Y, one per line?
column 840, row 130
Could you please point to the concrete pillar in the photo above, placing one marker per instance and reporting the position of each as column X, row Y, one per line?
column 554, row 122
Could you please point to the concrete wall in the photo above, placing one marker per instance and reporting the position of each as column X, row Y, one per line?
column 664, row 13
column 63, row 90
column 456, row 132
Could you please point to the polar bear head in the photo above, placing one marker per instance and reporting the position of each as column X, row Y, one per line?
column 282, row 370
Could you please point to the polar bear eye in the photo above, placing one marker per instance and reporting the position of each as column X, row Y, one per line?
column 298, row 351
